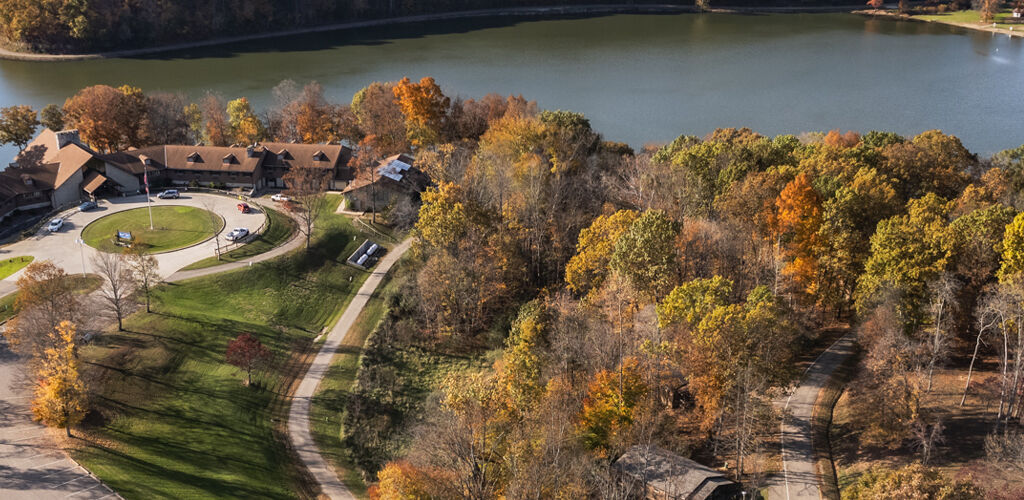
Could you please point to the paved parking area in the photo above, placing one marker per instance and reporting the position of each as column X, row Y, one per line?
column 62, row 249
column 32, row 467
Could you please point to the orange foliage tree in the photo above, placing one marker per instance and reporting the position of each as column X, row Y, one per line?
column 798, row 219
column 611, row 405
column 424, row 107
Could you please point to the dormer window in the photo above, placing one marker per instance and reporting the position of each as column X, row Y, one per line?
column 229, row 159
column 319, row 156
column 145, row 160
column 194, row 158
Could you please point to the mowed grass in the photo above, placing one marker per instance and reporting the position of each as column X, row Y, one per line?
column 280, row 229
column 11, row 265
column 173, row 419
column 1003, row 20
column 175, row 226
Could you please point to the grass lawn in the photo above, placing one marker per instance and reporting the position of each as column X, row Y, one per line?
column 1003, row 20
column 173, row 419
column 280, row 230
column 11, row 265
column 176, row 226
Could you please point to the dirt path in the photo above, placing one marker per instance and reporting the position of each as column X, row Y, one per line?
column 801, row 480
column 298, row 415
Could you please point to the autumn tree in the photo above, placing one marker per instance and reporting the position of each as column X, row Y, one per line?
column 425, row 108
column 144, row 267
column 52, row 117
column 380, row 119
column 875, row 4
column 912, row 482
column 798, row 221
column 60, row 396
column 645, row 253
column 246, row 352
column 216, row 127
column 46, row 297
column 18, row 125
column 108, row 118
column 307, row 185
column 166, row 121
column 246, row 127
column 587, row 269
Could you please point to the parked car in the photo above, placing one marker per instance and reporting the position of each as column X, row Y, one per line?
column 280, row 198
column 89, row 205
column 237, row 234
column 170, row 193
column 244, row 208
column 55, row 225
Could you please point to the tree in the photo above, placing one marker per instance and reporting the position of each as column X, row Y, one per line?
column 798, row 221
column 1013, row 250
column 912, row 482
column 425, row 107
column 166, row 119
column 246, row 127
column 989, row 9
column 645, row 253
column 46, row 297
column 144, row 266
column 216, row 128
column 379, row 116
column 119, row 284
column 52, row 117
column 587, row 269
column 876, row 4
column 307, row 185
column 17, row 125
column 248, row 353
column 108, row 118
column 60, row 396
column 611, row 405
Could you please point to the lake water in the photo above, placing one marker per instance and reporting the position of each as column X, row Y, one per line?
column 639, row 78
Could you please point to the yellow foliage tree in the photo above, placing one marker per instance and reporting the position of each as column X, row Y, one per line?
column 798, row 220
column 60, row 397
column 611, row 405
column 588, row 268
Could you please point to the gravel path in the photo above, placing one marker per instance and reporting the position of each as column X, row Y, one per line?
column 298, row 416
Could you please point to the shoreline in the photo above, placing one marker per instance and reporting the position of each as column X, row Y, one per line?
column 539, row 12
column 892, row 14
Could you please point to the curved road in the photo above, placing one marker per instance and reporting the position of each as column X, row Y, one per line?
column 298, row 415
column 801, row 479
column 32, row 464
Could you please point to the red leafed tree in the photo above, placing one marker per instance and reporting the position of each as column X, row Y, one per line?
column 247, row 352
column 875, row 4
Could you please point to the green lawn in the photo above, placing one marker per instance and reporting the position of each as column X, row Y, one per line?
column 174, row 420
column 11, row 265
column 280, row 230
column 972, row 17
column 176, row 226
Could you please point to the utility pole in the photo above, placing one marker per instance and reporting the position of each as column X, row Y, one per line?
column 81, row 251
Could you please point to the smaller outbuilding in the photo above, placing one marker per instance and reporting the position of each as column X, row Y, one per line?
column 663, row 475
column 393, row 179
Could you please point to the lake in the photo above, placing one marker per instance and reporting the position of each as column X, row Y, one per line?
column 639, row 78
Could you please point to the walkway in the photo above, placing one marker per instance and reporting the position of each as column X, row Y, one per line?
column 32, row 465
column 298, row 416
column 801, row 479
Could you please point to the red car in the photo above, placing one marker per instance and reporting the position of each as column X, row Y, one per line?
column 244, row 208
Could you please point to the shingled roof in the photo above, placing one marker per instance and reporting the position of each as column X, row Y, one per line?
column 672, row 476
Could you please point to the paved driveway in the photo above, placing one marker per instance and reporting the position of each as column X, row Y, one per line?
column 60, row 247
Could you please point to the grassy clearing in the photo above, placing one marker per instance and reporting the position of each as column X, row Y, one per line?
column 176, row 226
column 12, row 265
column 172, row 419
column 1003, row 20
column 280, row 229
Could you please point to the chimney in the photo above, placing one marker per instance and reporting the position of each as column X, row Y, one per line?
column 66, row 137
column 250, row 151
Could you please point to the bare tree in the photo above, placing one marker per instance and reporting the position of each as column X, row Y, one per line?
column 119, row 284
column 215, row 220
column 307, row 186
column 144, row 266
column 943, row 293
column 46, row 297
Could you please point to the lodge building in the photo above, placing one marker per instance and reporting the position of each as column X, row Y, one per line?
column 58, row 170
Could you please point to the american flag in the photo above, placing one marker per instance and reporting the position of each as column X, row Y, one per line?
column 145, row 180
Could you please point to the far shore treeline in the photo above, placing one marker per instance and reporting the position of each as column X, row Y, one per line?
column 77, row 26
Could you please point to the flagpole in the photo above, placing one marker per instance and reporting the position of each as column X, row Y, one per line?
column 149, row 201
